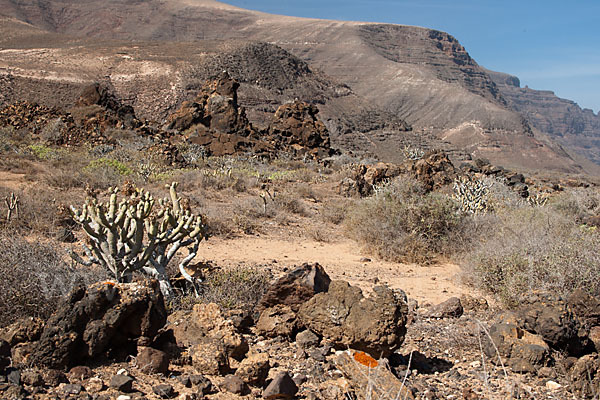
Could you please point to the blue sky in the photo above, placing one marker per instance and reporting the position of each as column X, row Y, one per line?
column 550, row 45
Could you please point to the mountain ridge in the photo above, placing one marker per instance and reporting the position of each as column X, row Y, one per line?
column 433, row 84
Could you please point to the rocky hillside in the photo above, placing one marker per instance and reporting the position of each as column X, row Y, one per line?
column 371, row 81
column 563, row 119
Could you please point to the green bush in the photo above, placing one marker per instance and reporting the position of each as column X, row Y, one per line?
column 402, row 223
column 42, row 152
column 109, row 163
column 534, row 248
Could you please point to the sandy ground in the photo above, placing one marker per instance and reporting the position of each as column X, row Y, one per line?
column 281, row 250
column 12, row 180
column 342, row 260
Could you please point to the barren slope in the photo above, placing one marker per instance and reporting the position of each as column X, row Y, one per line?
column 375, row 72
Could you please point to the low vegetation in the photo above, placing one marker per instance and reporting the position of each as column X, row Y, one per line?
column 507, row 245
column 34, row 277
column 535, row 248
column 401, row 222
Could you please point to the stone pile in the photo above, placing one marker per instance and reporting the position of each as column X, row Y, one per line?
column 434, row 170
column 545, row 328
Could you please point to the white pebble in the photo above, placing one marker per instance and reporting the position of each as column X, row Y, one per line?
column 553, row 385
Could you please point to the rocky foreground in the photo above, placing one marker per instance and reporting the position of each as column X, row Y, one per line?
column 308, row 337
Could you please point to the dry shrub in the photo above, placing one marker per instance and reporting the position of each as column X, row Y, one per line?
column 238, row 287
column 34, row 278
column 289, row 202
column 214, row 180
column 534, row 248
column 401, row 223
column 39, row 211
column 335, row 211
column 577, row 203
column 243, row 216
column 65, row 178
column 318, row 234
column 305, row 191
column 231, row 288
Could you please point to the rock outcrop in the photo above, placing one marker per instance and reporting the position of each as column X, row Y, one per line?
column 519, row 349
column 216, row 121
column 295, row 126
column 347, row 319
column 296, row 287
column 434, row 170
column 102, row 320
column 365, row 177
column 585, row 376
column 207, row 324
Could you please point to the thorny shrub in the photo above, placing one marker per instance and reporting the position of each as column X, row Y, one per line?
column 402, row 223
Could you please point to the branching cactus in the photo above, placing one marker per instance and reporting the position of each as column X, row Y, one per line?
column 472, row 195
column 131, row 235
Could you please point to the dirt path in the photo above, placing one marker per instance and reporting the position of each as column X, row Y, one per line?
column 12, row 180
column 341, row 260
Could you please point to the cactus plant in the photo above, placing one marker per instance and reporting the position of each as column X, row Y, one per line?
column 413, row 153
column 12, row 202
column 472, row 195
column 130, row 235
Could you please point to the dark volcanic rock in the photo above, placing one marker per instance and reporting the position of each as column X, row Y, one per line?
column 295, row 126
column 296, row 287
column 216, row 121
column 254, row 369
column 281, row 387
column 585, row 376
column 365, row 177
column 234, row 384
column 549, row 316
column 101, row 320
column 451, row 308
column 585, row 307
column 344, row 317
column 122, row 383
column 307, row 339
column 216, row 109
column 434, row 170
column 101, row 95
column 276, row 321
column 26, row 329
column 5, row 352
column 207, row 323
column 521, row 350
column 152, row 361
column 79, row 374
column 164, row 391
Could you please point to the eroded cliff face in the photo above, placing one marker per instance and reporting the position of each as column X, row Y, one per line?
column 562, row 119
column 438, row 50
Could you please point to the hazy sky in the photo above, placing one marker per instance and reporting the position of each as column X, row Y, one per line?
column 550, row 44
